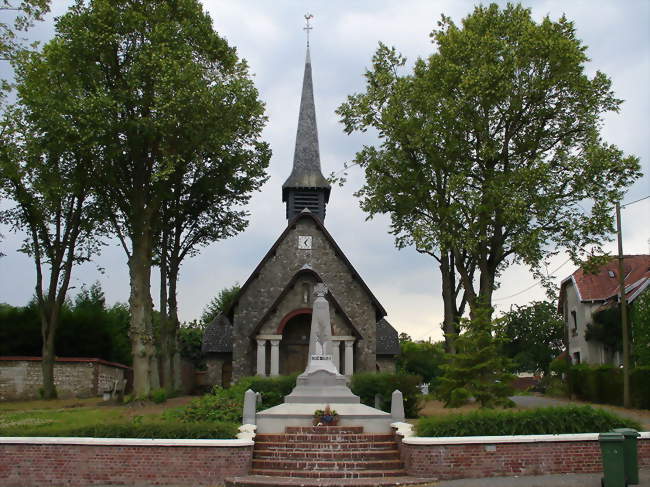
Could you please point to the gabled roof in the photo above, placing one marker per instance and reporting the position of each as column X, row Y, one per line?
column 387, row 339
column 603, row 285
column 289, row 286
column 217, row 337
column 380, row 311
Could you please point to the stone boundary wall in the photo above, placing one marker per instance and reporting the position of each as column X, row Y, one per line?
column 503, row 456
column 76, row 462
column 21, row 377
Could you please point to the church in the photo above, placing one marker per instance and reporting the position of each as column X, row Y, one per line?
column 266, row 329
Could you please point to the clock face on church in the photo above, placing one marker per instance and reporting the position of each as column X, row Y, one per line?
column 304, row 242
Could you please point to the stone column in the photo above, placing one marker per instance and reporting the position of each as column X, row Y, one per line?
column 261, row 356
column 336, row 354
column 349, row 358
column 275, row 357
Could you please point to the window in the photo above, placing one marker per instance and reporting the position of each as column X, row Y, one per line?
column 576, row 358
column 574, row 330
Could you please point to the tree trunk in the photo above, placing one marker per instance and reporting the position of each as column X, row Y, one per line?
column 173, row 324
column 145, row 370
column 450, row 323
column 48, row 328
column 165, row 351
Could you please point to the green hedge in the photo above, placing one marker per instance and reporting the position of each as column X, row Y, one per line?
column 366, row 385
column 604, row 384
column 208, row 430
column 552, row 420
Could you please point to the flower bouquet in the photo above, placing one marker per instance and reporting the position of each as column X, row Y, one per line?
column 326, row 417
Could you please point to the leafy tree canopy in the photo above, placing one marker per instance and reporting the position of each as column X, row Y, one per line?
column 488, row 147
column 220, row 303
column 421, row 358
column 533, row 336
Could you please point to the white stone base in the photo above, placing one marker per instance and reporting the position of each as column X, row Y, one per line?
column 277, row 418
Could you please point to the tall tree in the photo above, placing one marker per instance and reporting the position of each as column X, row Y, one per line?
column 533, row 335
column 214, row 177
column 489, row 146
column 44, row 171
column 154, row 77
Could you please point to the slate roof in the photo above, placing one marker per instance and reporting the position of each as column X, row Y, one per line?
column 603, row 286
column 306, row 172
column 387, row 339
column 217, row 337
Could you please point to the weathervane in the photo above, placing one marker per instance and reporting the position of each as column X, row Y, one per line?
column 308, row 27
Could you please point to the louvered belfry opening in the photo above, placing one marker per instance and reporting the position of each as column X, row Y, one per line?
column 306, row 187
column 313, row 200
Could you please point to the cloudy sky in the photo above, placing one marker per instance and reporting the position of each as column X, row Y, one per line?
column 269, row 35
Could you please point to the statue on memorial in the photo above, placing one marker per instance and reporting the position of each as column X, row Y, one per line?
column 320, row 338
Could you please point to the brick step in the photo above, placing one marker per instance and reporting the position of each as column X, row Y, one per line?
column 324, row 430
column 322, row 438
column 325, row 465
column 361, row 446
column 329, row 474
column 265, row 481
column 340, row 455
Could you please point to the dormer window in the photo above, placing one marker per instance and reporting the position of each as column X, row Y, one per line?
column 611, row 274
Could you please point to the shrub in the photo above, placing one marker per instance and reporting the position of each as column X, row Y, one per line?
column 272, row 389
column 552, row 420
column 560, row 365
column 227, row 404
column 207, row 430
column 640, row 387
column 367, row 385
column 158, row 395
column 604, row 384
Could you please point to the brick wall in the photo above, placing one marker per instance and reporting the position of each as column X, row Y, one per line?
column 21, row 377
column 123, row 463
column 493, row 459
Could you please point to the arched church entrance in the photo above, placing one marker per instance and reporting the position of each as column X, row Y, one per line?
column 294, row 346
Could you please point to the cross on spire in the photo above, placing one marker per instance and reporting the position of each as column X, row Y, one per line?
column 308, row 27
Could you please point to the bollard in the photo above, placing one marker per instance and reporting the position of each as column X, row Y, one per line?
column 379, row 401
column 630, row 454
column 397, row 407
column 611, row 447
column 249, row 407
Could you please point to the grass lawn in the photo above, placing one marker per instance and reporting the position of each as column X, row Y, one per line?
column 45, row 417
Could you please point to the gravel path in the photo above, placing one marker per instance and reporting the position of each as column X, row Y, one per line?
column 642, row 416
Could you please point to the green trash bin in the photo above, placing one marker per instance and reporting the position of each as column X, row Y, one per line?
column 630, row 453
column 611, row 447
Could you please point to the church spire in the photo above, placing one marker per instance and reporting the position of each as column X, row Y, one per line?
column 306, row 187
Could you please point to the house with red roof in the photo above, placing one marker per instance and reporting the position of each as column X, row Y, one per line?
column 583, row 296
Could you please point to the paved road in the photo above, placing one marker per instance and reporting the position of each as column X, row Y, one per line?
column 567, row 480
column 642, row 417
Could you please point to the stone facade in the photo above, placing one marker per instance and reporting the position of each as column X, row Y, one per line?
column 258, row 312
column 21, row 377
